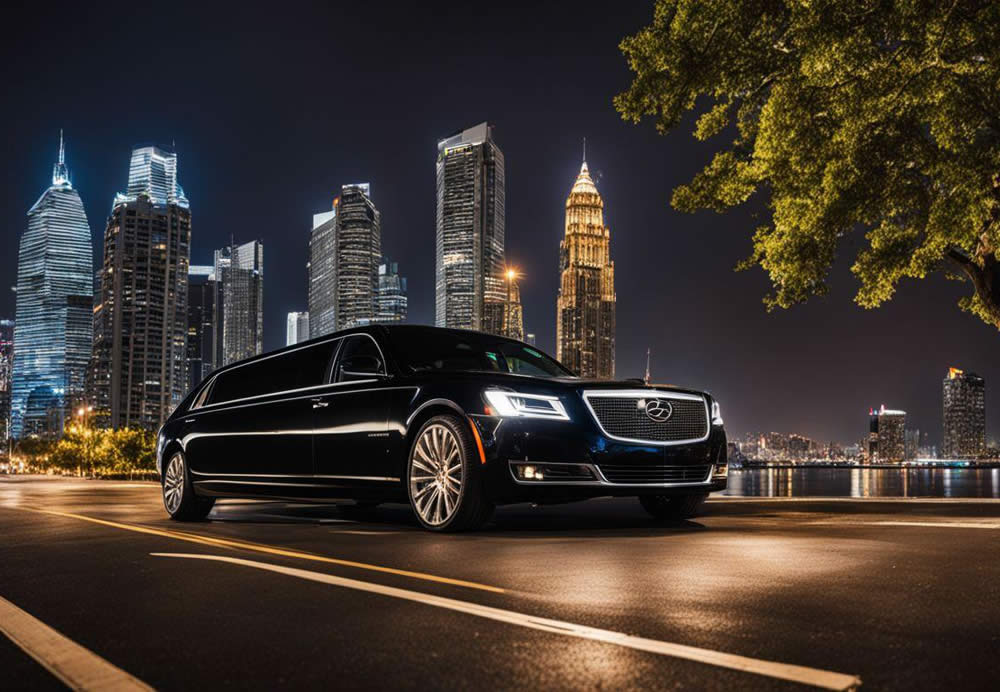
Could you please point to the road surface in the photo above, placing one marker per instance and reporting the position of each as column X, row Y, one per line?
column 99, row 589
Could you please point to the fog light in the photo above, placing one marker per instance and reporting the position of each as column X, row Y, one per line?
column 721, row 470
column 528, row 472
column 552, row 472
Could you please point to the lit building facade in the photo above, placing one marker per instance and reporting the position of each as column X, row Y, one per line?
column 138, row 372
column 359, row 253
column 297, row 328
column 469, row 250
column 239, row 278
column 964, row 405
column 512, row 325
column 53, row 326
column 201, row 324
column 6, row 376
column 585, row 307
column 886, row 436
column 392, row 299
column 322, row 268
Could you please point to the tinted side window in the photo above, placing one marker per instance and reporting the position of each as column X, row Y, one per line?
column 359, row 359
column 305, row 367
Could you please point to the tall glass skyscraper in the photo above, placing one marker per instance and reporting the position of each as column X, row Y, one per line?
column 239, row 275
column 55, row 296
column 139, row 365
column 201, row 324
column 296, row 328
column 392, row 299
column 322, row 269
column 469, row 262
column 359, row 253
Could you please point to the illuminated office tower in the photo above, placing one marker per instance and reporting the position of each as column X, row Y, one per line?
column 512, row 324
column 322, row 268
column 53, row 326
column 585, row 308
column 886, row 436
column 469, row 260
column 6, row 376
column 297, row 328
column 964, row 404
column 239, row 278
column 201, row 324
column 359, row 253
column 138, row 371
column 392, row 299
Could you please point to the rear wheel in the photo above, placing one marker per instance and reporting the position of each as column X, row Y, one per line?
column 444, row 478
column 672, row 506
column 178, row 496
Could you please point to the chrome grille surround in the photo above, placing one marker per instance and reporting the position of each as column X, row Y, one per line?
column 619, row 416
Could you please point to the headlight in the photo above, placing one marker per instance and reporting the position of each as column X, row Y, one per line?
column 716, row 413
column 516, row 405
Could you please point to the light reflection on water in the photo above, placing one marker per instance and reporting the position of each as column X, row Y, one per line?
column 863, row 482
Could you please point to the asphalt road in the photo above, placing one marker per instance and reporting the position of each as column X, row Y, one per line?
column 754, row 594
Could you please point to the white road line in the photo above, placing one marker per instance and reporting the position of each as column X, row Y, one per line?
column 77, row 667
column 783, row 671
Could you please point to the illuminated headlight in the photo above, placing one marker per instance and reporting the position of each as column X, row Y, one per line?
column 517, row 405
column 716, row 413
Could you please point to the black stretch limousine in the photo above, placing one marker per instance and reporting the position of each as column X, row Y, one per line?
column 452, row 422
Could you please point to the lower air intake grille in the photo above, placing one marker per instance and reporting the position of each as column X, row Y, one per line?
column 646, row 473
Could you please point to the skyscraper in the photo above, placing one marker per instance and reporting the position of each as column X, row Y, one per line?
column 585, row 308
column 322, row 268
column 239, row 276
column 886, row 436
column 392, row 299
column 55, row 296
column 964, row 403
column 359, row 253
column 297, row 329
column 138, row 371
column 513, row 315
column 469, row 264
column 6, row 375
column 201, row 324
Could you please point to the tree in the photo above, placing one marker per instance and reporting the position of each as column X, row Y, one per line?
column 847, row 116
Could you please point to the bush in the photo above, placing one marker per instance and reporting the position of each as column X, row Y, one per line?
column 94, row 452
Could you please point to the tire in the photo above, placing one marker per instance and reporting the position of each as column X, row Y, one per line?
column 672, row 506
column 178, row 494
column 444, row 478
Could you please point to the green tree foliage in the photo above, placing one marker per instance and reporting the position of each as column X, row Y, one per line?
column 846, row 114
column 94, row 452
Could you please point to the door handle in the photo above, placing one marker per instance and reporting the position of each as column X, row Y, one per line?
column 319, row 403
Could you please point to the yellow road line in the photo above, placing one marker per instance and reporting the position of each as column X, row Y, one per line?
column 269, row 549
column 77, row 667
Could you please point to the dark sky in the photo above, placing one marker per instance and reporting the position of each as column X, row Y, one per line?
column 274, row 107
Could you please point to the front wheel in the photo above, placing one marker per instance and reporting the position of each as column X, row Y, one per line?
column 444, row 478
column 178, row 496
column 672, row 506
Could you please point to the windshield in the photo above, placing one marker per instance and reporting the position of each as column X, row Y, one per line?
column 453, row 351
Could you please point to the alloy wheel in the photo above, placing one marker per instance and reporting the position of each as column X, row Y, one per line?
column 173, row 484
column 436, row 474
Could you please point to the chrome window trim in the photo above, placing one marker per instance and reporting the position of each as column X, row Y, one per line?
column 228, row 404
column 643, row 394
column 336, row 359
column 601, row 479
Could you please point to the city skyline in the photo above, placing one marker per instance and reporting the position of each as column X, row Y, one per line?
column 804, row 369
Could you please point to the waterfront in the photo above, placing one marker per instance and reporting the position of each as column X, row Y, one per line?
column 865, row 482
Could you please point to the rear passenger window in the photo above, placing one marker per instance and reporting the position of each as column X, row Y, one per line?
column 304, row 367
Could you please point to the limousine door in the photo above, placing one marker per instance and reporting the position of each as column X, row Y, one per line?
column 258, row 421
column 351, row 435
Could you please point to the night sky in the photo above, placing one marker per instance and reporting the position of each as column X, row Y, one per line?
column 274, row 108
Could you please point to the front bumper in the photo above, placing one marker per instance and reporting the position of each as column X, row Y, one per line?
column 595, row 464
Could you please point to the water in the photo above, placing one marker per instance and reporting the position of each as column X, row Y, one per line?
column 846, row 482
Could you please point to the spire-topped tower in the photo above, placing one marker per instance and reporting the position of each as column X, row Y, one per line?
column 60, row 174
column 585, row 327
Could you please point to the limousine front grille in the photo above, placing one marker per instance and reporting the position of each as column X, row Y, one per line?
column 632, row 474
column 624, row 417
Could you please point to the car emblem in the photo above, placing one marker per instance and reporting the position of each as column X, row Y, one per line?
column 658, row 410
